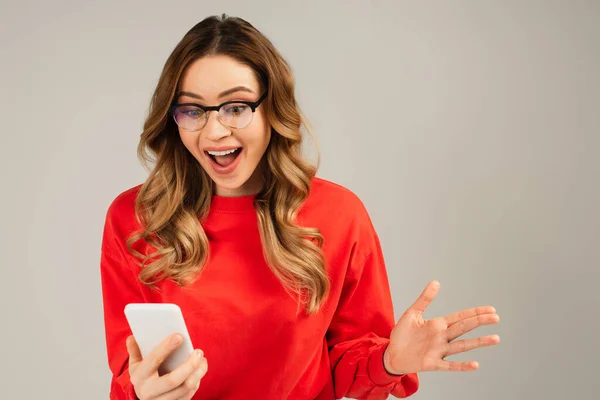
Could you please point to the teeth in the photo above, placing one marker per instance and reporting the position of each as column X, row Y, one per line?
column 221, row 153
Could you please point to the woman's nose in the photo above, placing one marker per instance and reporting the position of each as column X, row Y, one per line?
column 214, row 129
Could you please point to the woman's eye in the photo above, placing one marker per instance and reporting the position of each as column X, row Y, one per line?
column 193, row 113
column 236, row 109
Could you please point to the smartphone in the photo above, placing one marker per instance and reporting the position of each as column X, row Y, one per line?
column 151, row 323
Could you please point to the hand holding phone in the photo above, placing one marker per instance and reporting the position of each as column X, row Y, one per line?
column 168, row 366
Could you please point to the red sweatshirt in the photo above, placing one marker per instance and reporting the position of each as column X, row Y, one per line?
column 239, row 314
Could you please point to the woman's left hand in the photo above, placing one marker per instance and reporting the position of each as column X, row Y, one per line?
column 418, row 345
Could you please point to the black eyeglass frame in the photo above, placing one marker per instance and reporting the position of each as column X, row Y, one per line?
column 252, row 104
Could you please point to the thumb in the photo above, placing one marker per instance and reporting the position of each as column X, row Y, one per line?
column 135, row 355
column 426, row 297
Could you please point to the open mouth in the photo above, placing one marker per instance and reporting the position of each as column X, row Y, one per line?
column 224, row 158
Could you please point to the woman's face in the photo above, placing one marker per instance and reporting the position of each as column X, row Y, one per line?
column 211, row 81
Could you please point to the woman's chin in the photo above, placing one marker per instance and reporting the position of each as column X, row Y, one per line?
column 232, row 186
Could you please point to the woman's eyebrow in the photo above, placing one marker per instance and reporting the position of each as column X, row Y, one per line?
column 221, row 95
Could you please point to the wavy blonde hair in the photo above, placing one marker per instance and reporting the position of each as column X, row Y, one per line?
column 176, row 197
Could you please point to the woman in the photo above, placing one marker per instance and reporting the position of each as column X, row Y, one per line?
column 279, row 274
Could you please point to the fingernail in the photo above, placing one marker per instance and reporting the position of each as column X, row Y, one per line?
column 197, row 358
column 176, row 340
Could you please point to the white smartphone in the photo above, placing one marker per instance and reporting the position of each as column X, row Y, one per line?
column 151, row 323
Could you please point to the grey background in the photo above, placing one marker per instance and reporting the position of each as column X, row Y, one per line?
column 469, row 128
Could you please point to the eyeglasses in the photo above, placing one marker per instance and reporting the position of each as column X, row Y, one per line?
column 234, row 114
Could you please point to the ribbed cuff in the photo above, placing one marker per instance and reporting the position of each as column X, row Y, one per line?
column 376, row 368
column 130, row 391
column 122, row 388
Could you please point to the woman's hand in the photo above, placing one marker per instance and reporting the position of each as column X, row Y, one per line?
column 418, row 345
column 180, row 384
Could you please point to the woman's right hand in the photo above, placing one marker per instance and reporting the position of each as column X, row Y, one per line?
column 180, row 384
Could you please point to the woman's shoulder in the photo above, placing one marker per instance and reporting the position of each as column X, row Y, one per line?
column 124, row 202
column 335, row 200
column 120, row 218
column 324, row 188
column 339, row 213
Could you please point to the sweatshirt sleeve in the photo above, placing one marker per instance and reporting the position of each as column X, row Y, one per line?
column 119, row 287
column 360, row 329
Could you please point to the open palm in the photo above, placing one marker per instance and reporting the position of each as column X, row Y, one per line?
column 418, row 345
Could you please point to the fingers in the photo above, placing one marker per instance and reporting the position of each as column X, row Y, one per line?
column 471, row 312
column 462, row 346
column 156, row 357
column 193, row 382
column 466, row 325
column 200, row 372
column 190, row 386
column 179, row 375
column 457, row 366
column 135, row 356
column 426, row 297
